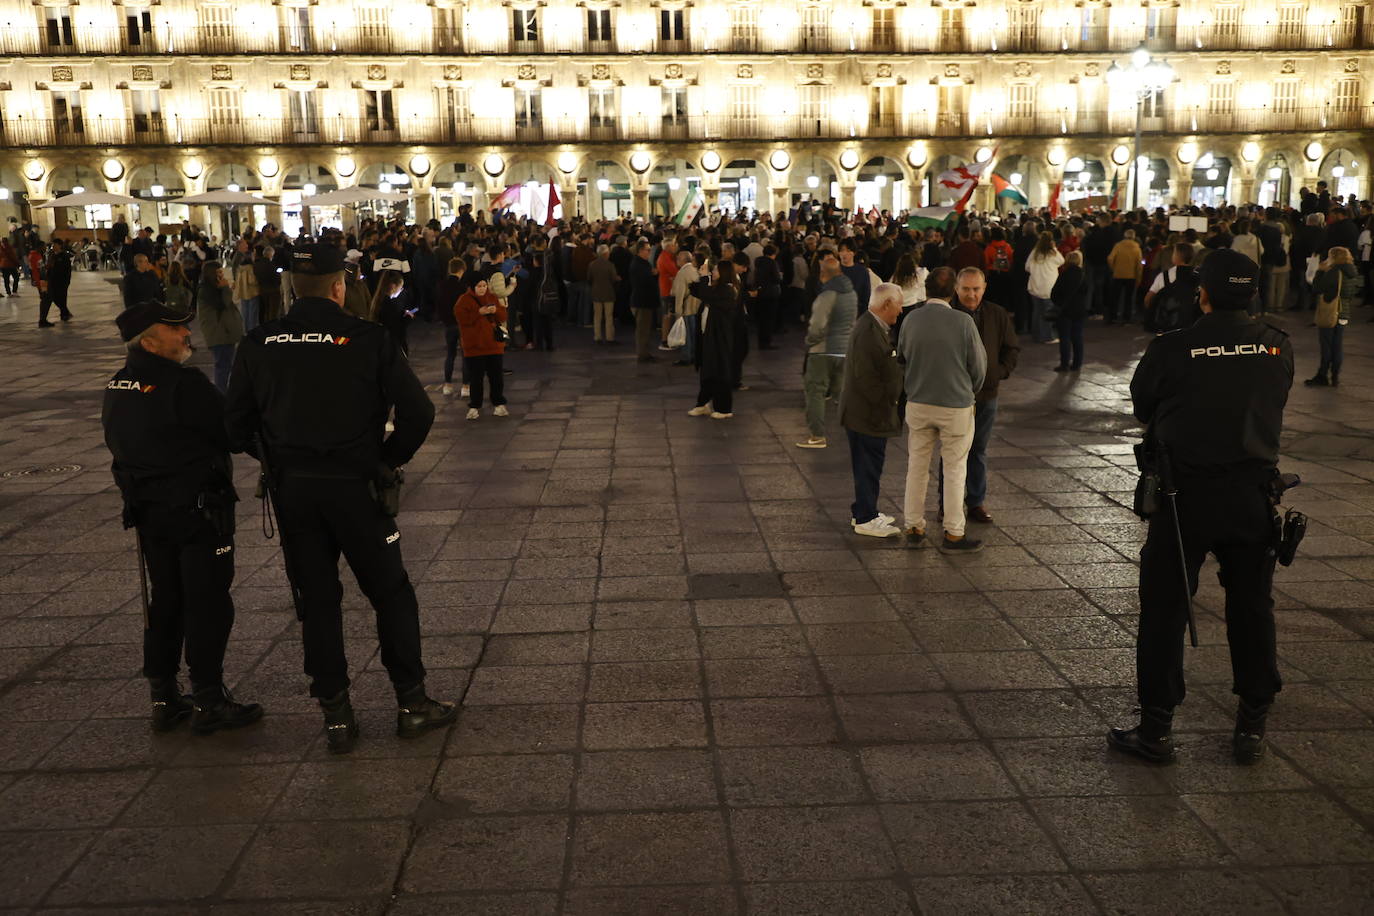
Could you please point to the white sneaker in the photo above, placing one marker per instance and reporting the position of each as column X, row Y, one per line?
column 500, row 411
column 812, row 442
column 717, row 415
column 464, row 392
column 447, row 390
column 882, row 515
column 877, row 528
column 701, row 411
column 473, row 413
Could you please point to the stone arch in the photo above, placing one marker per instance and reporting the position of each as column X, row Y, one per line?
column 1276, row 178
column 455, row 181
column 668, row 179
column 164, row 209
column 223, row 175
column 1345, row 170
column 881, row 182
column 610, row 186
column 14, row 194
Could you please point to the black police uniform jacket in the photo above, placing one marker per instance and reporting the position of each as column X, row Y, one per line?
column 317, row 385
column 164, row 425
column 1213, row 394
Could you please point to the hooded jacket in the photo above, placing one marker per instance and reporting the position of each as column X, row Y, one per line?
column 832, row 317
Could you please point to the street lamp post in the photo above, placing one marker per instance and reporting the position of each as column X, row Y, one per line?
column 1143, row 77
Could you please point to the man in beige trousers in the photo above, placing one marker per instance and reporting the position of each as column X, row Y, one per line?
column 945, row 363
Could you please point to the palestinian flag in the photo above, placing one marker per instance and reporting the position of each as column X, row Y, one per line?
column 1116, row 191
column 1003, row 188
column 689, row 208
column 932, row 218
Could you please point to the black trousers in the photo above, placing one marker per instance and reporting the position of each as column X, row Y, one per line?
column 451, row 339
column 488, row 369
column 867, row 455
column 190, row 569
column 1233, row 520
column 321, row 518
column 55, row 295
column 543, row 331
column 766, row 314
column 719, row 394
column 11, row 277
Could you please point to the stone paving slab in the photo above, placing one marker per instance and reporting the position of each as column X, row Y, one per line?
column 686, row 687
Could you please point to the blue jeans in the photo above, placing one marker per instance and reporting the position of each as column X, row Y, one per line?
column 250, row 309
column 866, row 456
column 224, row 363
column 1039, row 328
column 1333, row 351
column 976, row 475
column 689, row 352
column 1070, row 342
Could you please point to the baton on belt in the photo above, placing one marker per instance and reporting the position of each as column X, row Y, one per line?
column 271, row 523
column 1166, row 476
column 143, row 578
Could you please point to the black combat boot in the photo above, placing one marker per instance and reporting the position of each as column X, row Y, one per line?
column 217, row 710
column 340, row 726
column 419, row 714
column 1247, row 742
column 1318, row 380
column 170, row 706
column 1150, row 740
column 1335, row 378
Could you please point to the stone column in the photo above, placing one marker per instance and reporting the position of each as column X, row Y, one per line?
column 846, row 201
column 424, row 206
column 712, row 195
column 44, row 219
column 1245, row 190
column 778, row 198
column 567, row 195
column 1181, row 189
column 640, row 197
column 913, row 189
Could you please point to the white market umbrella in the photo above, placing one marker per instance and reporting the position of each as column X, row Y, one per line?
column 353, row 195
column 91, row 199
column 226, row 199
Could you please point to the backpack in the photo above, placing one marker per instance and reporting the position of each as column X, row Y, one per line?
column 1175, row 306
column 1001, row 258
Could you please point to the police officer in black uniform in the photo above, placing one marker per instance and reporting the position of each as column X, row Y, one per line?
column 310, row 395
column 164, row 425
column 1212, row 397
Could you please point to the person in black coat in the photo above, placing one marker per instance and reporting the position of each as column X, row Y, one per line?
column 1070, row 298
column 644, row 299
column 719, row 325
column 767, row 293
column 57, row 272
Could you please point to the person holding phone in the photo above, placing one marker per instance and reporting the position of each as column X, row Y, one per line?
column 481, row 317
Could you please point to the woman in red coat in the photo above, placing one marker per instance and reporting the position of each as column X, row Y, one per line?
column 481, row 330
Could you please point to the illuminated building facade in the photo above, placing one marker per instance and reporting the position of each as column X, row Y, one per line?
column 624, row 104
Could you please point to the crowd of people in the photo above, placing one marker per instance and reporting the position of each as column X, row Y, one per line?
column 700, row 294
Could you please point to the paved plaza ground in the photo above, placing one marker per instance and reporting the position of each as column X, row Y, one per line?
column 687, row 687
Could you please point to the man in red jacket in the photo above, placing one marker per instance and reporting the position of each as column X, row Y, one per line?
column 667, row 270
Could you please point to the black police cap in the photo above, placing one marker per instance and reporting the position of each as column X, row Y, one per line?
column 317, row 260
column 141, row 316
column 1229, row 277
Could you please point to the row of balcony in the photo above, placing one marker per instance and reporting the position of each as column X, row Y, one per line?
column 155, row 130
column 219, row 41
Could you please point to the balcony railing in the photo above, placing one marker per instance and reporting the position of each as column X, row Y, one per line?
column 326, row 39
column 150, row 131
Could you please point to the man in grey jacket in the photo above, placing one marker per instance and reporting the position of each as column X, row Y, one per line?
column 827, row 341
column 945, row 365
column 868, row 406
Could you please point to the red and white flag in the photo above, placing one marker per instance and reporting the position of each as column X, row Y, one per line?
column 553, row 202
column 1054, row 198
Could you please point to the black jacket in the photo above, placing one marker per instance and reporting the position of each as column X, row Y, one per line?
column 1213, row 394
column 643, row 285
column 1068, row 294
column 1346, row 234
column 142, row 287
column 164, row 425
column 317, row 385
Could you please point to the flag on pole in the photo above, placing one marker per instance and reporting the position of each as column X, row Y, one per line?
column 961, row 180
column 508, row 198
column 553, row 202
column 691, row 205
column 1054, row 198
column 932, row 218
column 1115, row 203
column 1004, row 188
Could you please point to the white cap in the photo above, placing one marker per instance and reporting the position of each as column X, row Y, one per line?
column 353, row 256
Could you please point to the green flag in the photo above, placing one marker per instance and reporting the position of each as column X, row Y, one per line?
column 931, row 218
column 690, row 207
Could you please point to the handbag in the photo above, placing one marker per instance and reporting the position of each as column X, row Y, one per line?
column 1329, row 310
column 1313, row 263
column 677, row 336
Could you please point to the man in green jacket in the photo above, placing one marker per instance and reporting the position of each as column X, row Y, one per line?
column 868, row 405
